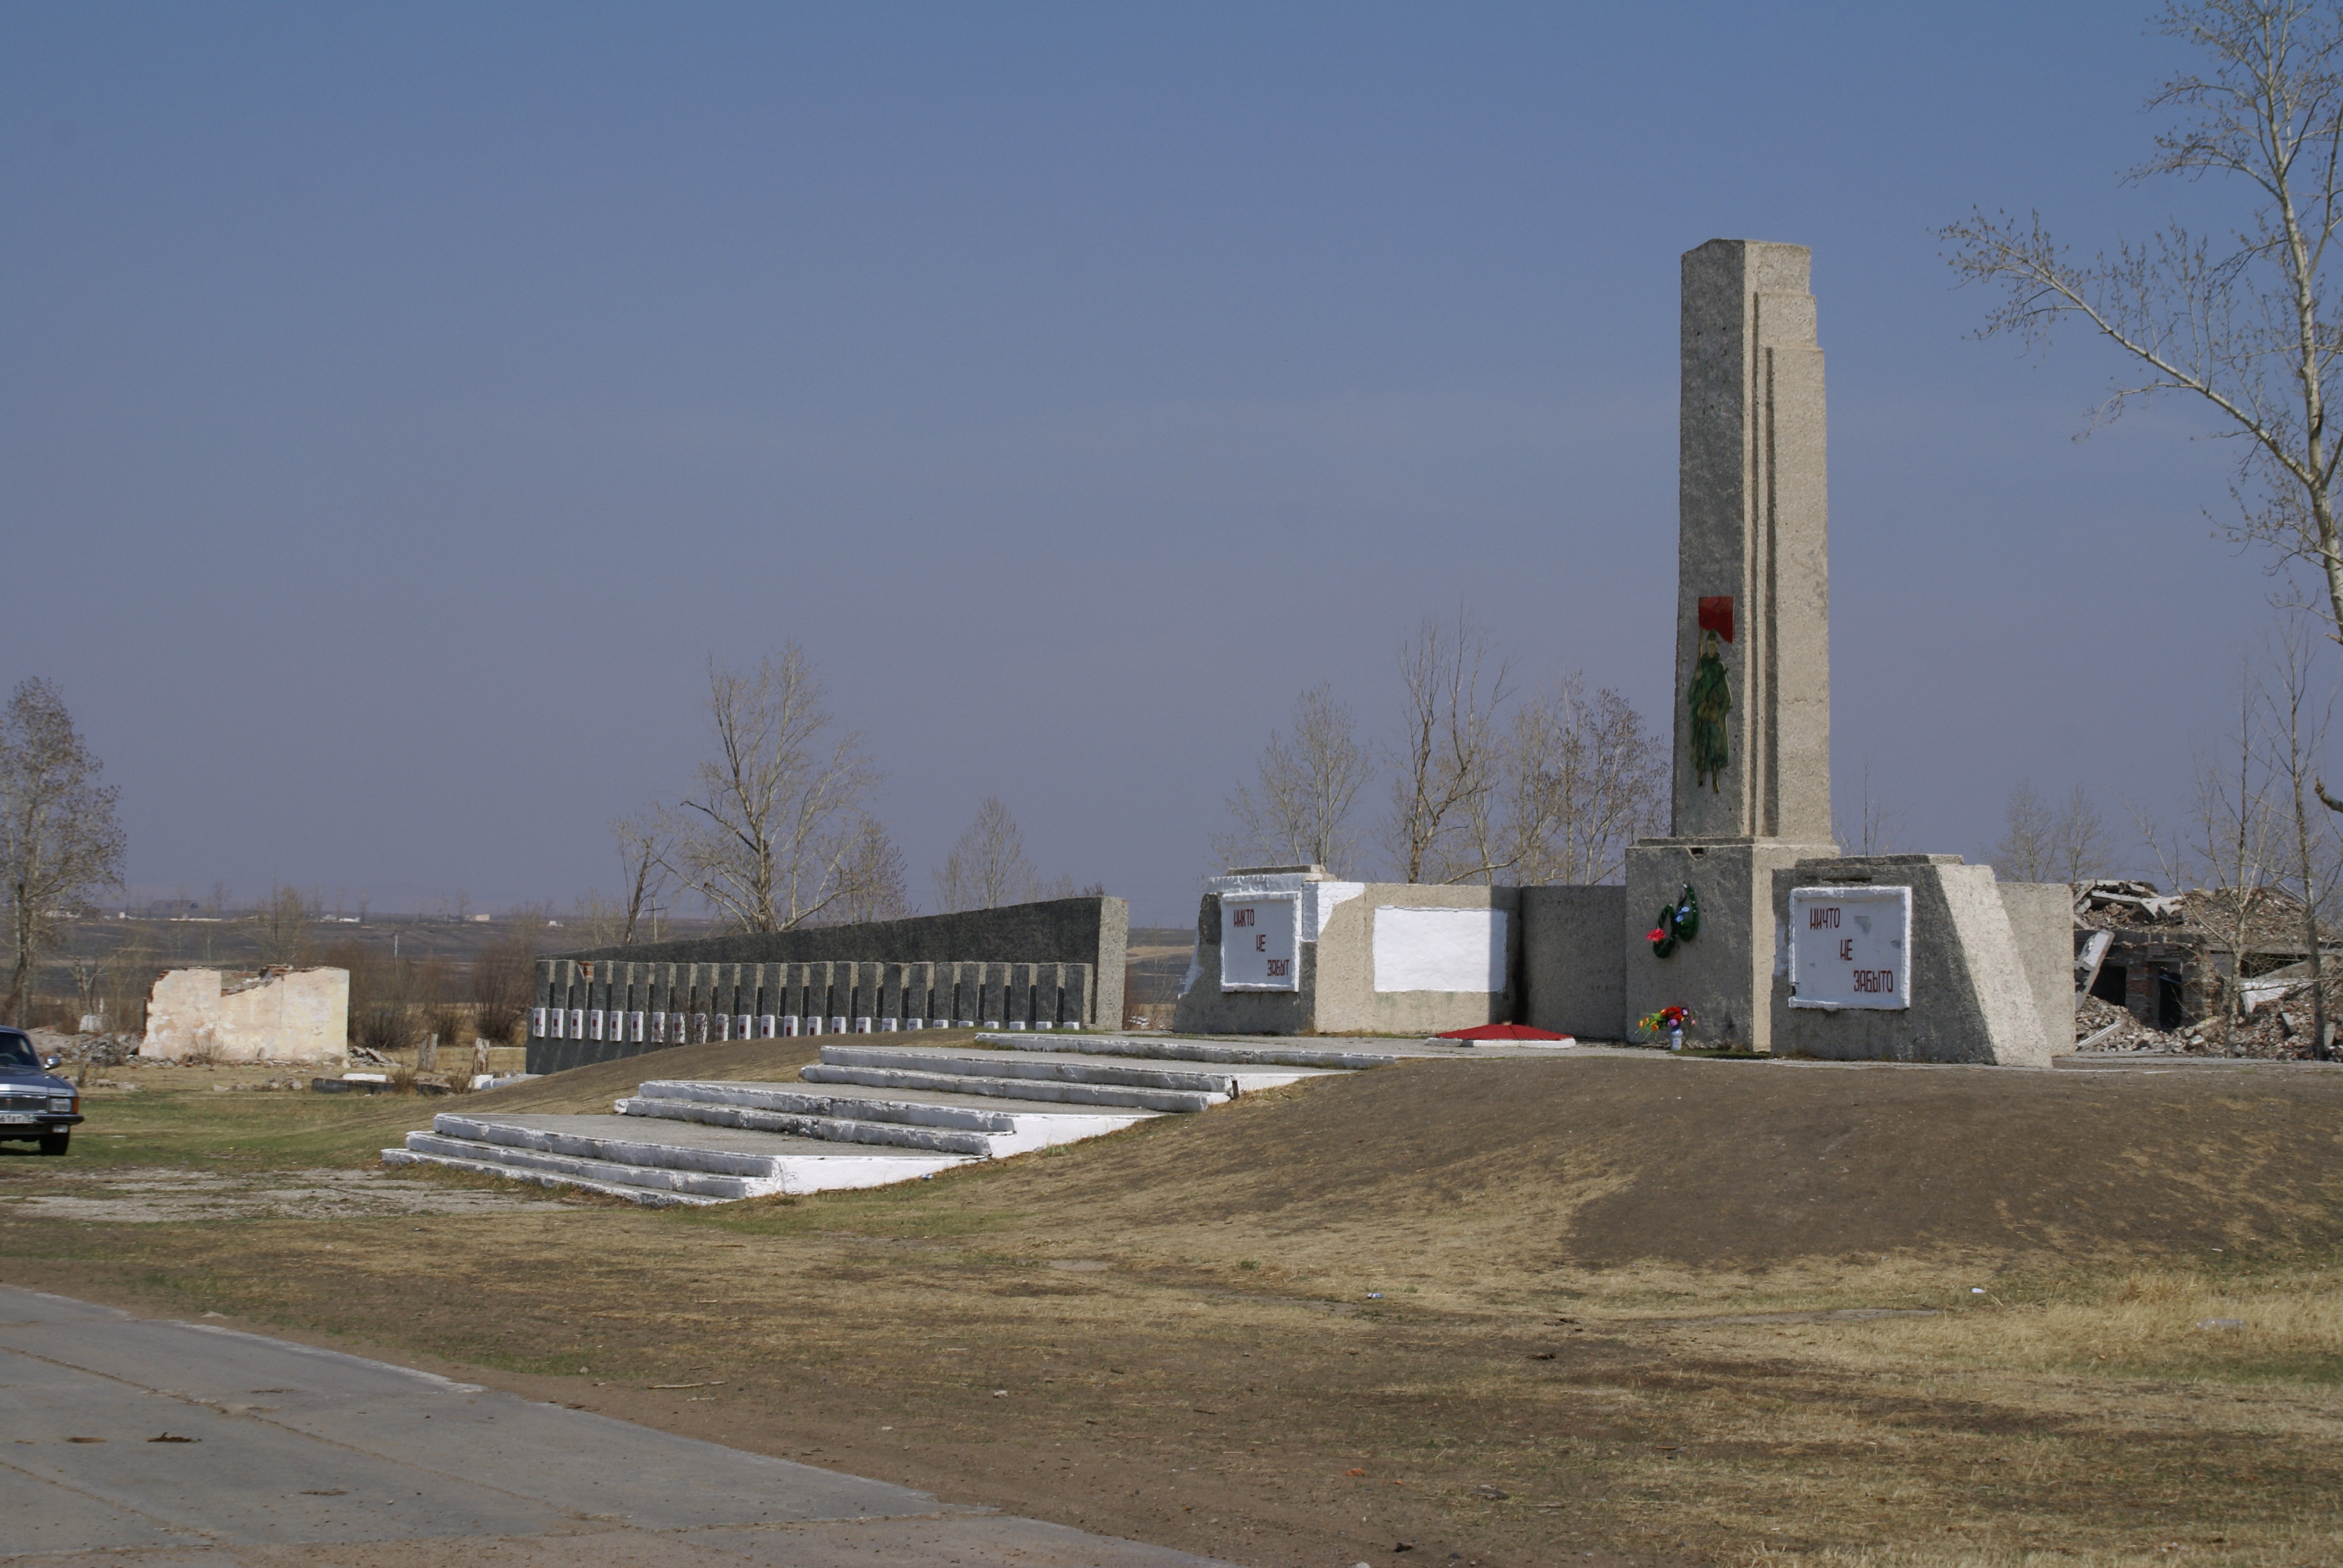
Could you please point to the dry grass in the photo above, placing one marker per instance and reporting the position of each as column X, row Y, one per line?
column 1603, row 1295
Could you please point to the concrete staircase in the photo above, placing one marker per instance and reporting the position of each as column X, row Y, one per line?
column 865, row 1115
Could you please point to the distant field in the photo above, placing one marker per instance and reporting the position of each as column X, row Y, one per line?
column 1652, row 1310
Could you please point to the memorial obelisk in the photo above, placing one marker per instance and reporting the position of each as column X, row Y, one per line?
column 1752, row 691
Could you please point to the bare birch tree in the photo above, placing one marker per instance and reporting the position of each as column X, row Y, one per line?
column 767, row 834
column 1583, row 778
column 60, row 839
column 1297, row 809
column 2294, row 724
column 1447, row 759
column 986, row 867
column 2243, row 323
column 2237, row 840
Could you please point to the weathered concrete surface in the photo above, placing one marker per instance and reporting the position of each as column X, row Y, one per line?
column 1573, row 978
column 1338, row 992
column 2042, row 921
column 1725, row 974
column 1971, row 990
column 298, row 1455
column 281, row 1015
column 1753, row 524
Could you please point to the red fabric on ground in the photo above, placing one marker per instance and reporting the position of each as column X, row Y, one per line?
column 1501, row 1031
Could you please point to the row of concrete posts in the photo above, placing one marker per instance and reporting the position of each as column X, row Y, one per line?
column 681, row 1004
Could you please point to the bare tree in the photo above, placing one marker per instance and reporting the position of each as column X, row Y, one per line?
column 1446, row 758
column 2294, row 727
column 2079, row 843
column 987, row 867
column 1876, row 826
column 768, row 833
column 1297, row 811
column 60, row 839
column 877, row 888
column 643, row 845
column 281, row 928
column 2236, row 840
column 2029, row 849
column 2243, row 326
column 1581, row 778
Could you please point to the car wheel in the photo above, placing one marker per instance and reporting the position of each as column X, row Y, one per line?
column 55, row 1143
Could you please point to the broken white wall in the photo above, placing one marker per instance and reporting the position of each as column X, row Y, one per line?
column 281, row 1015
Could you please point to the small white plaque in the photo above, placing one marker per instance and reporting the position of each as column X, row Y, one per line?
column 764, row 1022
column 635, row 1027
column 1851, row 947
column 536, row 1022
column 1260, row 948
column 577, row 1023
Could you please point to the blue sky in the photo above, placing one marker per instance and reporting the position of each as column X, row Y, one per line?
column 399, row 405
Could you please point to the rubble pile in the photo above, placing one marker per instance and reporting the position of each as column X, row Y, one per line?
column 2276, row 1031
column 2272, row 918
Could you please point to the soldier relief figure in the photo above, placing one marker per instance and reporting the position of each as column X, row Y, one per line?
column 1711, row 699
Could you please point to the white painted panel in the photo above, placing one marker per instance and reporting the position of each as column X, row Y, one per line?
column 1440, row 949
column 1851, row 947
column 1260, row 947
column 1324, row 898
column 536, row 1022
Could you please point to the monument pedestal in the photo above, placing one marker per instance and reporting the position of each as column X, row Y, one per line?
column 1724, row 974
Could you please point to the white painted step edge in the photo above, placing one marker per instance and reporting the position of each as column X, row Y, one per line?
column 992, row 1064
column 1174, row 1100
column 1193, row 1050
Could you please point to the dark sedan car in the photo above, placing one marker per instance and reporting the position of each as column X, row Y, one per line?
column 31, row 1104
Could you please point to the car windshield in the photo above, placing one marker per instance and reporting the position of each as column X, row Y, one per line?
column 17, row 1050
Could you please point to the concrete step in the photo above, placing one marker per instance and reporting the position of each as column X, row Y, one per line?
column 909, row 1118
column 826, row 1128
column 1059, row 1066
column 483, row 1165
column 608, row 1173
column 715, row 1163
column 1171, row 1100
column 1155, row 1050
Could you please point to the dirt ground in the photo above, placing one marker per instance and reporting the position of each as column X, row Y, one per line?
column 1595, row 1309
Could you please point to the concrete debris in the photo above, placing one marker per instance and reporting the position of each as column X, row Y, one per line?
column 2272, row 1034
column 2140, row 901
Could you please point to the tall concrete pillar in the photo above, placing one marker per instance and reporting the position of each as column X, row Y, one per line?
column 1751, row 546
column 1752, row 699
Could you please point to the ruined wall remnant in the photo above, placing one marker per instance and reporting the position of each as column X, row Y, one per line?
column 275, row 1014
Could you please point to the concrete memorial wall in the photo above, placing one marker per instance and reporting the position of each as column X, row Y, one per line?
column 1053, row 964
column 599, row 1010
column 1289, row 950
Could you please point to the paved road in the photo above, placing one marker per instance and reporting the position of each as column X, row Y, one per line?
column 175, row 1445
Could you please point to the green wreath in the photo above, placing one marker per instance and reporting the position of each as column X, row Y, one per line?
column 1678, row 922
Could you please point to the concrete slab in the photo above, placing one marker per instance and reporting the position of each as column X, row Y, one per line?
column 295, row 1447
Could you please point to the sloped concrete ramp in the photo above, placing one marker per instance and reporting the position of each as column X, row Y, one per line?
column 296, row 1455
